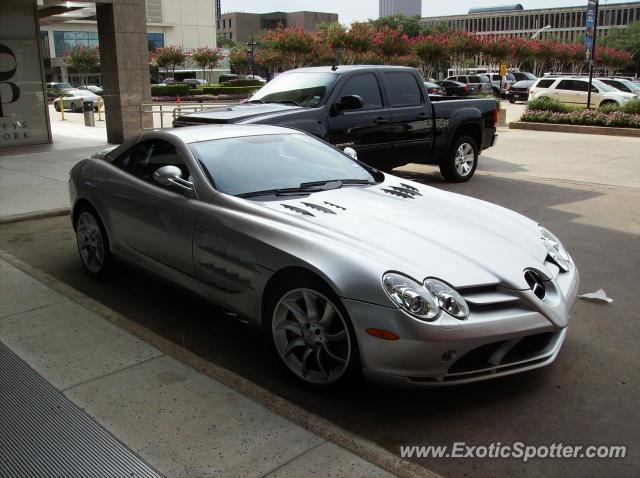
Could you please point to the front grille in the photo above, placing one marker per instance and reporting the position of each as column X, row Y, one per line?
column 528, row 347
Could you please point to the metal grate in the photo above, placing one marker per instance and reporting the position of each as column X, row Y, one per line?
column 42, row 434
column 154, row 11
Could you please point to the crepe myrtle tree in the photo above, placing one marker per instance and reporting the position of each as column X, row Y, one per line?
column 207, row 59
column 169, row 58
column 83, row 60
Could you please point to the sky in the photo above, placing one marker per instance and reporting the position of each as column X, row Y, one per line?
column 359, row 10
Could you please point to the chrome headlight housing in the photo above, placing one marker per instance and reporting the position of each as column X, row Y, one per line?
column 556, row 250
column 448, row 298
column 424, row 301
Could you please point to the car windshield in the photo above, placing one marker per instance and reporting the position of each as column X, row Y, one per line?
column 251, row 165
column 302, row 89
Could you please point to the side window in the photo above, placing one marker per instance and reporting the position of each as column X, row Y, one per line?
column 566, row 85
column 152, row 155
column 125, row 160
column 475, row 79
column 463, row 79
column 403, row 89
column 581, row 86
column 366, row 86
column 545, row 83
column 620, row 86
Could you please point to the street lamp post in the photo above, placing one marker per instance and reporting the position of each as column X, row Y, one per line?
column 535, row 35
column 252, row 44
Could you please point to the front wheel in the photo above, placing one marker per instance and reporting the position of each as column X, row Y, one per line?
column 311, row 333
column 461, row 163
column 56, row 106
column 93, row 243
column 512, row 100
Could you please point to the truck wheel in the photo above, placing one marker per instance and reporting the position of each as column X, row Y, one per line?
column 462, row 161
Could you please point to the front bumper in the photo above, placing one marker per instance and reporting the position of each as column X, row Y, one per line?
column 495, row 340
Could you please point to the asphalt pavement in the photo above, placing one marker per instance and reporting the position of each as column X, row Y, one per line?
column 589, row 396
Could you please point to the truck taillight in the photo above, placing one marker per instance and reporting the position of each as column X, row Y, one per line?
column 495, row 117
column 466, row 88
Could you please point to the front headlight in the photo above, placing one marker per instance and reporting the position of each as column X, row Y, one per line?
column 448, row 299
column 424, row 301
column 410, row 296
column 556, row 250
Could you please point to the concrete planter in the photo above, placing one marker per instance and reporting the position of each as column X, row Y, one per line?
column 502, row 117
column 570, row 128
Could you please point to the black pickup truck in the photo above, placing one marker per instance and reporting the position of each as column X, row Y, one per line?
column 383, row 112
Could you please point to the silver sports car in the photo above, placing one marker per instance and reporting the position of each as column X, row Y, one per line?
column 347, row 269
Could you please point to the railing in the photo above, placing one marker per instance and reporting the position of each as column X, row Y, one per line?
column 154, row 116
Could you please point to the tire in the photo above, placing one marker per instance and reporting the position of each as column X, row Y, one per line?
column 56, row 106
column 311, row 332
column 92, row 242
column 74, row 108
column 611, row 103
column 460, row 165
column 495, row 91
column 512, row 100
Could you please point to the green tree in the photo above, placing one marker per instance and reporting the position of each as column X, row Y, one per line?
column 169, row 58
column 207, row 59
column 83, row 60
column 224, row 42
column 627, row 39
column 408, row 25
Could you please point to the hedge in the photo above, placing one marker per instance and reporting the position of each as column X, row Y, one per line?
column 196, row 91
column 229, row 90
column 584, row 118
column 245, row 82
column 181, row 89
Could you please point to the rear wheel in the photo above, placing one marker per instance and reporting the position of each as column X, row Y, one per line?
column 462, row 161
column 609, row 104
column 92, row 241
column 312, row 333
column 75, row 108
column 512, row 100
column 56, row 105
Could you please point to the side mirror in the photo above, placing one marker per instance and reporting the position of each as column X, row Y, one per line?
column 351, row 152
column 349, row 102
column 171, row 176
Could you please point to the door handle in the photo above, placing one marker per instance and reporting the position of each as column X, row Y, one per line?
column 382, row 120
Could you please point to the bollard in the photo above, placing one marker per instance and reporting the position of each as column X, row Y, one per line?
column 178, row 101
column 62, row 110
column 99, row 108
column 89, row 118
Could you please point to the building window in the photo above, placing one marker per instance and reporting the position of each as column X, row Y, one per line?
column 44, row 44
column 218, row 22
column 64, row 42
column 230, row 35
column 155, row 40
column 229, row 22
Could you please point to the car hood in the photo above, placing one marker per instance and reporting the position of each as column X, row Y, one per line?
column 235, row 113
column 423, row 231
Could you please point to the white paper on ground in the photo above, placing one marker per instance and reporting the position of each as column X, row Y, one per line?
column 599, row 295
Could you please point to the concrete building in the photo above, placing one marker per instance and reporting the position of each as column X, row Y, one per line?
column 566, row 23
column 186, row 23
column 409, row 8
column 239, row 26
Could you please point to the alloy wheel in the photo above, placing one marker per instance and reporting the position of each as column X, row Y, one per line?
column 311, row 336
column 90, row 242
column 465, row 158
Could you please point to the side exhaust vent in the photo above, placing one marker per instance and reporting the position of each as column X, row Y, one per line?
column 318, row 207
column 297, row 209
column 335, row 205
column 399, row 192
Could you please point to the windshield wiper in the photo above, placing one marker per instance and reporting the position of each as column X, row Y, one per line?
column 304, row 188
column 255, row 101
column 343, row 182
column 286, row 102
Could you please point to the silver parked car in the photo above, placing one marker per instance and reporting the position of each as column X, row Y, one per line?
column 73, row 99
column 346, row 268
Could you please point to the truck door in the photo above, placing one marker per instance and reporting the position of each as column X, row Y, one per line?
column 411, row 118
column 364, row 129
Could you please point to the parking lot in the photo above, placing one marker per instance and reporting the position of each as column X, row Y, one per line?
column 585, row 188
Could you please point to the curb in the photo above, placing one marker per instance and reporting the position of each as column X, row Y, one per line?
column 572, row 128
column 64, row 211
column 322, row 427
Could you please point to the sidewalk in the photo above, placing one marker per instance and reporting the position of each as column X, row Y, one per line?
column 177, row 420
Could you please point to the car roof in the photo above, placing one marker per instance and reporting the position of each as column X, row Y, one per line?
column 345, row 68
column 194, row 134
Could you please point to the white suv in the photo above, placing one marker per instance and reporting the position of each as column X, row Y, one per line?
column 574, row 90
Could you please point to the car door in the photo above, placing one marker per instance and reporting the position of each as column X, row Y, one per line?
column 411, row 119
column 581, row 92
column 153, row 220
column 565, row 91
column 365, row 129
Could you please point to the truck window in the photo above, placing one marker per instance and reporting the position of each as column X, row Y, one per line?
column 545, row 83
column 366, row 86
column 566, row 85
column 403, row 89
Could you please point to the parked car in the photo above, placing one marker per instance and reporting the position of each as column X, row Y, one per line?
column 519, row 91
column 95, row 89
column 229, row 76
column 574, row 90
column 73, row 99
column 346, row 270
column 59, row 86
column 194, row 82
column 456, row 88
column 433, row 88
column 255, row 77
column 499, row 83
column 621, row 84
column 481, row 82
column 523, row 75
column 384, row 112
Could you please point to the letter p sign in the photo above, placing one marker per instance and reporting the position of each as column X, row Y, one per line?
column 7, row 70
